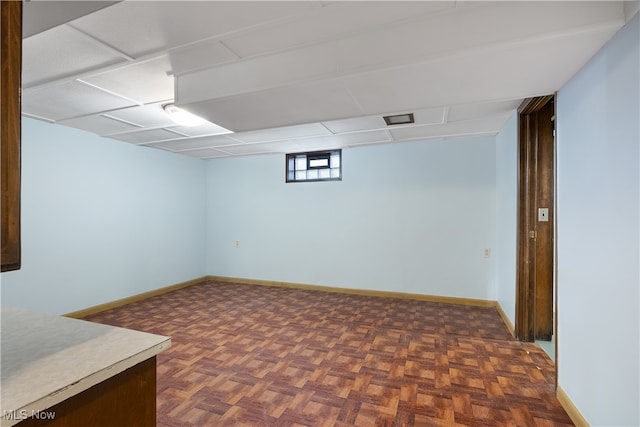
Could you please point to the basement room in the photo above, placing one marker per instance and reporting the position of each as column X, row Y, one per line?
column 320, row 213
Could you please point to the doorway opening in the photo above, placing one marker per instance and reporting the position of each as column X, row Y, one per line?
column 535, row 288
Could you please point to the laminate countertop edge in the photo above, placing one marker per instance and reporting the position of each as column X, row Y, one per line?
column 48, row 359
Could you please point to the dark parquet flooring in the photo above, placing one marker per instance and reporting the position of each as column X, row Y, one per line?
column 245, row 355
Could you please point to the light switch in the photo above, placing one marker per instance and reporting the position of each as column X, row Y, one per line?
column 543, row 214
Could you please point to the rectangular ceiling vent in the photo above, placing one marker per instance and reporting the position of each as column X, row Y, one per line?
column 399, row 119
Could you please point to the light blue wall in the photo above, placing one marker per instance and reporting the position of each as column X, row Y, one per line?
column 413, row 217
column 598, row 139
column 507, row 215
column 103, row 220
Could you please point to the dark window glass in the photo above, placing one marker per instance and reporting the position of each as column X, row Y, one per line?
column 314, row 166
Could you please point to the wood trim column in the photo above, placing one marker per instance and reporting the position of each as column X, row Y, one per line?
column 10, row 83
column 524, row 289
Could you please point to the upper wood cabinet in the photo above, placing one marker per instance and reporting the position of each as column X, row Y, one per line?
column 10, row 74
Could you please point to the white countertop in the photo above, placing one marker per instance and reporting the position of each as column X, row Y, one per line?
column 47, row 359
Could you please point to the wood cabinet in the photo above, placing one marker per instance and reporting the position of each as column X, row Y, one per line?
column 10, row 69
column 58, row 371
column 127, row 399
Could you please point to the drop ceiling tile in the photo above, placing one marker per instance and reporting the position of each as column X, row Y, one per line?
column 39, row 16
column 147, row 136
column 437, row 38
column 62, row 52
column 99, row 124
column 144, row 82
column 446, row 34
column 375, row 122
column 486, row 126
column 143, row 27
column 429, row 116
column 208, row 53
column 477, row 110
column 264, row 72
column 397, row 89
column 344, row 140
column 69, row 100
column 319, row 24
column 325, row 142
column 390, row 46
column 195, row 143
column 394, row 57
column 419, row 39
column 303, row 63
column 151, row 115
column 329, row 21
column 287, row 132
column 206, row 129
column 503, row 72
column 263, row 148
column 310, row 103
column 205, row 153
column 355, row 124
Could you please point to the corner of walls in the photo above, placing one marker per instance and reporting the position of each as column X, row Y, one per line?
column 631, row 8
column 506, row 216
column 412, row 217
column 102, row 220
column 571, row 410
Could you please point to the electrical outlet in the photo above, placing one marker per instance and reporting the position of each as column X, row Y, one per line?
column 237, row 244
column 487, row 252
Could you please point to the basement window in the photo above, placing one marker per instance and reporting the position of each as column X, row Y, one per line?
column 314, row 166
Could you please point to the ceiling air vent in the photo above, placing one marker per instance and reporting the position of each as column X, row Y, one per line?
column 399, row 119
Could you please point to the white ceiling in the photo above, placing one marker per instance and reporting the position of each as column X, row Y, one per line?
column 300, row 75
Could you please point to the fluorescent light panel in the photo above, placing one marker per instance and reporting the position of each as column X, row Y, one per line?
column 182, row 117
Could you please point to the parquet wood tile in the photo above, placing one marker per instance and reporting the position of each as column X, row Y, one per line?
column 246, row 355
